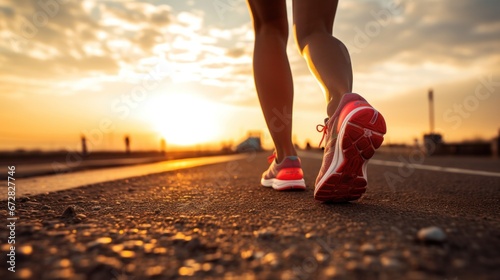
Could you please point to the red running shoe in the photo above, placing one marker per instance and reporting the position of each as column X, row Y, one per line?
column 286, row 175
column 352, row 135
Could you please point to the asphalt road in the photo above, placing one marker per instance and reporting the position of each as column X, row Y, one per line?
column 217, row 222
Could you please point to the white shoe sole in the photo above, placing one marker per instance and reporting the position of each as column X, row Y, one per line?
column 281, row 185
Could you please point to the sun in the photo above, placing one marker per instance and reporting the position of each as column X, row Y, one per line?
column 184, row 119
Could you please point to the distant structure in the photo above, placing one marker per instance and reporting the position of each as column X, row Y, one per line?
column 431, row 110
column 163, row 146
column 84, row 145
column 432, row 140
column 251, row 144
column 127, row 144
column 495, row 146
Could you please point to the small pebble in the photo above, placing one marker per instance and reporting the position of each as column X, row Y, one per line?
column 272, row 259
column 133, row 244
column 186, row 271
column 431, row 234
column 367, row 248
column 181, row 237
column 334, row 273
column 354, row 266
column 110, row 262
column 154, row 271
column 97, row 207
column 391, row 263
column 321, row 258
column 117, row 248
column 206, row 267
column 69, row 212
column 311, row 235
column 25, row 250
column 371, row 262
column 126, row 254
column 63, row 263
column 81, row 216
column 99, row 242
column 350, row 255
column 213, row 257
column 264, row 233
column 24, row 273
column 258, row 255
column 246, row 254
column 160, row 251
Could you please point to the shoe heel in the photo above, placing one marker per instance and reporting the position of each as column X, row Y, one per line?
column 364, row 133
column 290, row 173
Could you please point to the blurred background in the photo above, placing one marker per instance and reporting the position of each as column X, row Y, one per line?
column 176, row 75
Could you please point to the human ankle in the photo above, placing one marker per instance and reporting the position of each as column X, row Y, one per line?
column 331, row 107
column 281, row 157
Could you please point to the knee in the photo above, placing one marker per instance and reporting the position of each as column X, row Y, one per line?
column 277, row 27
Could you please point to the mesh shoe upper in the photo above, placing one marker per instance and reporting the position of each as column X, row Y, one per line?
column 288, row 169
column 332, row 125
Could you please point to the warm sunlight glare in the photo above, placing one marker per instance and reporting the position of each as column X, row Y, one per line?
column 184, row 119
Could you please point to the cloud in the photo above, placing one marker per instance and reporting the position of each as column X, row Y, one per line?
column 452, row 32
column 235, row 52
column 78, row 40
column 67, row 40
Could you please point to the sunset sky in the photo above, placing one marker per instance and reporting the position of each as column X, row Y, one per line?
column 182, row 70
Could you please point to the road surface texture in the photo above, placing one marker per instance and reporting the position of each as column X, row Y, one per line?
column 217, row 222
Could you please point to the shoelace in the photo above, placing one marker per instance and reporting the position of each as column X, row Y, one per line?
column 271, row 158
column 322, row 128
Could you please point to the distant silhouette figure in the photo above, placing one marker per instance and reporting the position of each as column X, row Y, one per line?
column 496, row 146
column 84, row 145
column 359, row 127
column 127, row 144
column 308, row 146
